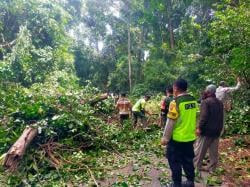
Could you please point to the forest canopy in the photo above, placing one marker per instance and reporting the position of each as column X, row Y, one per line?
column 97, row 40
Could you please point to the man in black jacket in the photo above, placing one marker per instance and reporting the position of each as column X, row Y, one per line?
column 209, row 129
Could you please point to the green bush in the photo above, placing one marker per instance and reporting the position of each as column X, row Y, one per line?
column 238, row 120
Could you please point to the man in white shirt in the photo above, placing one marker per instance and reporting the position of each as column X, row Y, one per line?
column 222, row 93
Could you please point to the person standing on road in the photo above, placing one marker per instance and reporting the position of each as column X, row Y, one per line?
column 179, row 134
column 139, row 111
column 209, row 129
column 124, row 106
column 165, row 105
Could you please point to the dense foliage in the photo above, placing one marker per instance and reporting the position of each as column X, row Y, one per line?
column 58, row 56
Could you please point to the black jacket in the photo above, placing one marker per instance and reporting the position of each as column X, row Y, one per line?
column 211, row 117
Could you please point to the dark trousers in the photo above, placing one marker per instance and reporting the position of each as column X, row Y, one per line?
column 136, row 116
column 123, row 117
column 180, row 156
column 163, row 118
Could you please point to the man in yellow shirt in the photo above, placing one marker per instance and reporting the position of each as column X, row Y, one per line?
column 138, row 110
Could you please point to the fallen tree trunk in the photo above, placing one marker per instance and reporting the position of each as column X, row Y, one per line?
column 98, row 99
column 16, row 152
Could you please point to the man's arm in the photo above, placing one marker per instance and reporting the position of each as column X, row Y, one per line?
column 231, row 89
column 168, row 131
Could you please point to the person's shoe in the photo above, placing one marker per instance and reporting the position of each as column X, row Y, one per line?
column 187, row 184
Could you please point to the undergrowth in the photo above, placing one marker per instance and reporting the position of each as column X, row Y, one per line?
column 75, row 144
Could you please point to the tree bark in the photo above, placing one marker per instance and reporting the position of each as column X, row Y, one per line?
column 7, row 44
column 98, row 99
column 171, row 33
column 129, row 57
column 170, row 23
column 16, row 152
column 128, row 3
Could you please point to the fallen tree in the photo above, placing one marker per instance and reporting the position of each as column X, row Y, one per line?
column 18, row 149
column 98, row 99
column 16, row 152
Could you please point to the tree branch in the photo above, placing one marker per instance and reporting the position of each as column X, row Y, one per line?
column 7, row 45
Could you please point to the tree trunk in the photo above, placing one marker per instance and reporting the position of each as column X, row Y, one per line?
column 171, row 33
column 16, row 152
column 141, row 54
column 128, row 3
column 170, row 24
column 98, row 99
column 129, row 57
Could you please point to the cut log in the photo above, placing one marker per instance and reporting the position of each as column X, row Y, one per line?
column 16, row 152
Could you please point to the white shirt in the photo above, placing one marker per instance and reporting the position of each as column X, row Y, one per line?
column 222, row 92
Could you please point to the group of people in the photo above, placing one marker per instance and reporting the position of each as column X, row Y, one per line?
column 182, row 127
column 138, row 110
column 184, row 150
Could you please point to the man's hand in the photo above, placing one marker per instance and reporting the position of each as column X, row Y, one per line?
column 238, row 79
column 198, row 132
column 164, row 141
